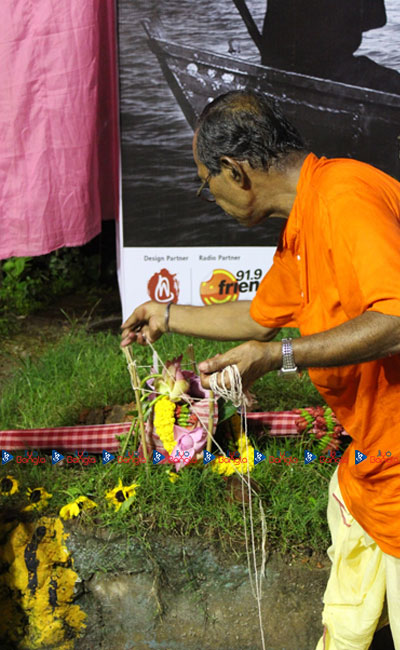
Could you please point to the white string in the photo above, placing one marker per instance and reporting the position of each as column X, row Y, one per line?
column 235, row 394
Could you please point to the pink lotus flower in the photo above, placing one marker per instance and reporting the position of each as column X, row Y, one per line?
column 188, row 443
column 172, row 381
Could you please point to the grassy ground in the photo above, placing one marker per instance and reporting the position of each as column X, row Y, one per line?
column 88, row 370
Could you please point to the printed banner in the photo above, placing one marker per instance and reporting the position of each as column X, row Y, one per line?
column 338, row 83
column 195, row 276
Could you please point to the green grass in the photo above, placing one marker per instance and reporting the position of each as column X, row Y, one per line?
column 87, row 371
column 200, row 503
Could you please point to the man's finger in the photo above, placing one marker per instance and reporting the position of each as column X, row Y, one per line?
column 205, row 381
column 134, row 320
column 214, row 364
column 128, row 339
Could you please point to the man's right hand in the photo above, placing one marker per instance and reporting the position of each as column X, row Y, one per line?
column 146, row 323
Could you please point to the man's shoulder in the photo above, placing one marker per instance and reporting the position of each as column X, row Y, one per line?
column 333, row 180
column 331, row 174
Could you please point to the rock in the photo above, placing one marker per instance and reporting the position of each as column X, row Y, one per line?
column 185, row 595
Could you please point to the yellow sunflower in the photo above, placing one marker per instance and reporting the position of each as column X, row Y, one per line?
column 8, row 485
column 121, row 493
column 74, row 508
column 38, row 498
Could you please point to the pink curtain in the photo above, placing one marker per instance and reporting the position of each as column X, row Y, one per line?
column 58, row 123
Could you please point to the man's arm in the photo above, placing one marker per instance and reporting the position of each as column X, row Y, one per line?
column 228, row 322
column 368, row 337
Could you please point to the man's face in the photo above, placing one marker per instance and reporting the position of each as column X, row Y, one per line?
column 236, row 192
column 230, row 197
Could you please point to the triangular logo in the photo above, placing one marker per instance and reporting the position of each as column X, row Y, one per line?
column 106, row 456
column 207, row 457
column 157, row 457
column 6, row 457
column 359, row 457
column 309, row 457
column 55, row 456
column 258, row 457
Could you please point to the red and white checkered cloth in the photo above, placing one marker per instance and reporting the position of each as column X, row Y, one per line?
column 95, row 438
column 281, row 423
column 89, row 437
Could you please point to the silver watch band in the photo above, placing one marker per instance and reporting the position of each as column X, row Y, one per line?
column 288, row 363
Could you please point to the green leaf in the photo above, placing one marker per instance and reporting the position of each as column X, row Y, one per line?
column 127, row 503
column 225, row 410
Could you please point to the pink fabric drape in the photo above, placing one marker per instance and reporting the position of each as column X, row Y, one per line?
column 58, row 123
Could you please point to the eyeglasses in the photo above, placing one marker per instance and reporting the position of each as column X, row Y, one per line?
column 204, row 191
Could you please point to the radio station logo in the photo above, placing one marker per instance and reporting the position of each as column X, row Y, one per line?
column 163, row 287
column 221, row 287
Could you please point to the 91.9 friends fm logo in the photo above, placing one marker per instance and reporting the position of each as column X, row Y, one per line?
column 223, row 286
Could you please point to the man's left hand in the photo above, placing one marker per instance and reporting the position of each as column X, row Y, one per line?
column 253, row 359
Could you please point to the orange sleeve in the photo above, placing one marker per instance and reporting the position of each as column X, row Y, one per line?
column 365, row 242
column 277, row 299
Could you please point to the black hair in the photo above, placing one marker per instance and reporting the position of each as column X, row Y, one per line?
column 244, row 125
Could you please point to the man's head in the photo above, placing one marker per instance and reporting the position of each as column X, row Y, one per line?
column 245, row 146
column 245, row 126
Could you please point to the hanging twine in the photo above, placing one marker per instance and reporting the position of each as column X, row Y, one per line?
column 234, row 393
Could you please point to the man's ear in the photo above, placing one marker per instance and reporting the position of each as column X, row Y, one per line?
column 235, row 171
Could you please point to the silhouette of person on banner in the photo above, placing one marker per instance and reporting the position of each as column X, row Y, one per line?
column 319, row 38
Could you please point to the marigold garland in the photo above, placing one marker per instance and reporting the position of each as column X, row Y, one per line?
column 164, row 420
column 227, row 466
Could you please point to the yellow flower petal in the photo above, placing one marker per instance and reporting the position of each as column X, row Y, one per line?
column 173, row 476
column 74, row 508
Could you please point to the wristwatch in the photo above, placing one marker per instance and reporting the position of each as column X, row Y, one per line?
column 289, row 368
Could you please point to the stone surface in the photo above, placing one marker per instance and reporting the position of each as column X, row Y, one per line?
column 175, row 595
column 169, row 594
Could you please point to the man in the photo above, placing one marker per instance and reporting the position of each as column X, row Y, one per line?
column 336, row 276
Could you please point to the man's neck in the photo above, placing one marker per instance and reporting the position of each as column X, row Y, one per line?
column 278, row 186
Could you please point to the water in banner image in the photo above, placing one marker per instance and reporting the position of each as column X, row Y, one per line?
column 159, row 176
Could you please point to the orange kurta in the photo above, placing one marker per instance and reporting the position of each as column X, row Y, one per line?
column 338, row 257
